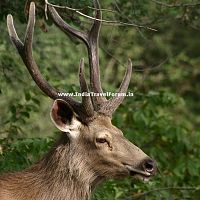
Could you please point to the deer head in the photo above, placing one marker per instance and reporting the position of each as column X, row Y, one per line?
column 96, row 146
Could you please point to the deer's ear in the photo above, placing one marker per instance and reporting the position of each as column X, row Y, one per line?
column 64, row 118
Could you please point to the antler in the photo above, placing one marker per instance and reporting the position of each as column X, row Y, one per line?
column 84, row 109
column 90, row 104
column 91, row 39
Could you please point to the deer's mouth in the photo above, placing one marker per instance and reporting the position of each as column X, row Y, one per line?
column 139, row 174
column 146, row 169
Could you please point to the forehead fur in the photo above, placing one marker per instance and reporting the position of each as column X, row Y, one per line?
column 103, row 122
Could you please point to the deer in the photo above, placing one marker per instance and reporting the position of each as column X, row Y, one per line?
column 90, row 149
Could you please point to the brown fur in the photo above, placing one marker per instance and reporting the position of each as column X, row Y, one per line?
column 91, row 149
column 74, row 167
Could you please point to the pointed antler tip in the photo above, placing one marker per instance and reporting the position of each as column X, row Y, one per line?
column 32, row 9
column 10, row 26
column 98, row 13
column 130, row 61
column 9, row 19
column 97, row 2
column 32, row 4
column 130, row 65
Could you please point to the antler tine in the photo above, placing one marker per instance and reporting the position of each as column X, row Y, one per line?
column 91, row 41
column 66, row 28
column 111, row 105
column 86, row 99
column 25, row 51
column 13, row 35
column 99, row 103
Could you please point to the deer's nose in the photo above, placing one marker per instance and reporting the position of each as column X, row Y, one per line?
column 149, row 166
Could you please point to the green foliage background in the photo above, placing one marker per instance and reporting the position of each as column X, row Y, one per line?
column 163, row 116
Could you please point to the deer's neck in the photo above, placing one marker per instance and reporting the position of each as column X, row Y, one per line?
column 66, row 174
column 62, row 174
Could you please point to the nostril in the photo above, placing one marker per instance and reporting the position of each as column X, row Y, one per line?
column 149, row 165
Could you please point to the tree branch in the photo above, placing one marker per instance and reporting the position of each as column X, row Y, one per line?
column 113, row 23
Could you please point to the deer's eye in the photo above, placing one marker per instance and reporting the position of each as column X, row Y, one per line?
column 101, row 140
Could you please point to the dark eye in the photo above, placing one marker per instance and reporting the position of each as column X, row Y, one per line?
column 101, row 140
